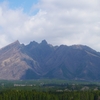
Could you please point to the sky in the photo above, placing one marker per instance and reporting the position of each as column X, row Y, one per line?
column 59, row 22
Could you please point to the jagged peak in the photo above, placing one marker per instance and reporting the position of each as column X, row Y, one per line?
column 17, row 41
column 14, row 44
column 44, row 42
column 33, row 42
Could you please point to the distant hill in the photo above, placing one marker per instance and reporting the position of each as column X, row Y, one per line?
column 42, row 60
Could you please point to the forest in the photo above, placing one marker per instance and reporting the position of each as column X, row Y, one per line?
column 36, row 95
column 49, row 90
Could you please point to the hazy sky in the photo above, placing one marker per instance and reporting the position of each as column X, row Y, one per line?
column 57, row 21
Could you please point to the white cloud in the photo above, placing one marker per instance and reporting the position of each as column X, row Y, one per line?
column 68, row 22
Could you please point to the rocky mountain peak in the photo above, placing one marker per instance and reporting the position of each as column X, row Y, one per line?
column 15, row 44
column 44, row 42
column 40, row 60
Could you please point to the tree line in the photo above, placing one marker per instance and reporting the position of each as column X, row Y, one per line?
column 50, row 95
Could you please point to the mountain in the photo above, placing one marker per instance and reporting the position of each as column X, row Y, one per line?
column 42, row 60
column 14, row 64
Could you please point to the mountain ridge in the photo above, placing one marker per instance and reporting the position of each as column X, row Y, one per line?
column 43, row 60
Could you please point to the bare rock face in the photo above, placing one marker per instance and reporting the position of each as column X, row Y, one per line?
column 14, row 63
column 42, row 60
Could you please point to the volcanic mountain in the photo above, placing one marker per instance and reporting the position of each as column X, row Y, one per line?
column 42, row 60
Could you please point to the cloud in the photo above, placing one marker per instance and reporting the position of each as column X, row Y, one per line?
column 59, row 22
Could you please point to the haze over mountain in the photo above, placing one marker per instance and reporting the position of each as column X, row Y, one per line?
column 42, row 60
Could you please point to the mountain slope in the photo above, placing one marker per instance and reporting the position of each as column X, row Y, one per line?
column 13, row 63
column 74, row 63
column 42, row 60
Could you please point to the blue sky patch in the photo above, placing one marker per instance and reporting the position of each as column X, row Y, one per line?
column 25, row 4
